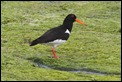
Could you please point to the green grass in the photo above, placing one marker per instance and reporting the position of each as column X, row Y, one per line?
column 96, row 47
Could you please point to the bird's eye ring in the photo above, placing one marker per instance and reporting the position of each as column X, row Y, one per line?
column 72, row 16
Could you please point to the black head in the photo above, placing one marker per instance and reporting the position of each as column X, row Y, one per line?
column 70, row 17
column 68, row 21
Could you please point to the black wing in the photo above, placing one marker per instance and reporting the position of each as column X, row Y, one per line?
column 51, row 35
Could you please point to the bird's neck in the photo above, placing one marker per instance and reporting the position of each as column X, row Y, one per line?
column 68, row 25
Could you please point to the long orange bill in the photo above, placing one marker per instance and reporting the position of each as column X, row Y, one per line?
column 77, row 20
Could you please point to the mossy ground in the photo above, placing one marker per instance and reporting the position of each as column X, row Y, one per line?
column 95, row 47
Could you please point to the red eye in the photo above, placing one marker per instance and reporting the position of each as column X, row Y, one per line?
column 72, row 16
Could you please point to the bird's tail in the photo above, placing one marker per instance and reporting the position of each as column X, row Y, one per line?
column 34, row 42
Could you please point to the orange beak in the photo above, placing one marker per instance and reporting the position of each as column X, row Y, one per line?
column 77, row 20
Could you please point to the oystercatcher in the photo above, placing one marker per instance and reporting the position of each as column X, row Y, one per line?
column 57, row 35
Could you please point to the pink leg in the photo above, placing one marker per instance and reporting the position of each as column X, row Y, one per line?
column 54, row 54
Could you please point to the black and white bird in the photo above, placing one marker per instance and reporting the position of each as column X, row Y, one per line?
column 57, row 35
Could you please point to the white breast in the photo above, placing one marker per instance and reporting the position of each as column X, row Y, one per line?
column 67, row 31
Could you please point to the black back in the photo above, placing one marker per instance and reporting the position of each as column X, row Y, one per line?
column 51, row 35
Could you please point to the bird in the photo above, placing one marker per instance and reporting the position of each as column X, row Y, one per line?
column 57, row 35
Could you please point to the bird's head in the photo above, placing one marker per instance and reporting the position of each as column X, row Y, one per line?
column 73, row 18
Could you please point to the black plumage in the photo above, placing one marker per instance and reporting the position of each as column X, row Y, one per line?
column 57, row 32
column 51, row 35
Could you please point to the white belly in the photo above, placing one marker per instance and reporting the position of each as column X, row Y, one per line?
column 56, row 42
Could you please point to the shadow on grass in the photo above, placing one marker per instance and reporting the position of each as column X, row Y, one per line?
column 39, row 62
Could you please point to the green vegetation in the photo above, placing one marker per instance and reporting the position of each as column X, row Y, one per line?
column 95, row 48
